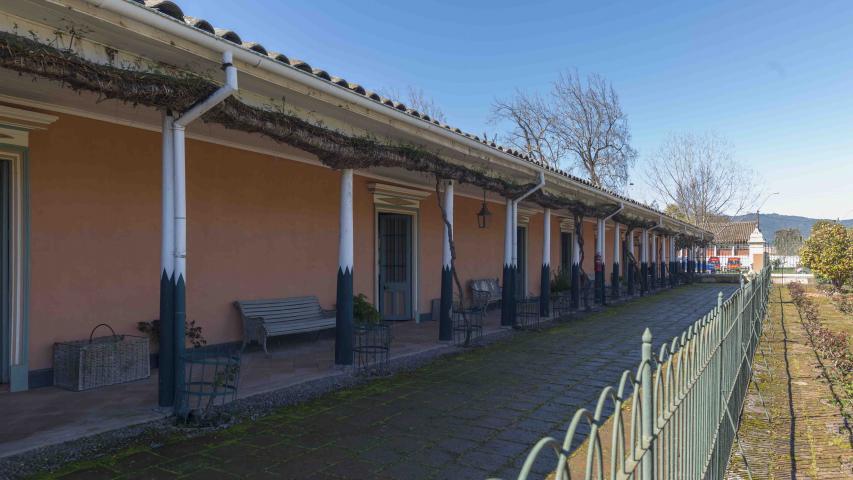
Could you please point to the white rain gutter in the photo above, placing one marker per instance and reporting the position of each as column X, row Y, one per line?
column 659, row 224
column 621, row 207
column 182, row 30
column 179, row 135
column 515, row 203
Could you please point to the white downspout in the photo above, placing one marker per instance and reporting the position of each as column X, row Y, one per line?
column 180, row 206
column 179, row 131
column 601, row 233
column 515, row 216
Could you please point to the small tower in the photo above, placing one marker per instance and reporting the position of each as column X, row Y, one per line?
column 756, row 249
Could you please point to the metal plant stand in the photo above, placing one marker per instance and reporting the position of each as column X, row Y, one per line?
column 528, row 313
column 211, row 378
column 561, row 305
column 467, row 325
column 372, row 348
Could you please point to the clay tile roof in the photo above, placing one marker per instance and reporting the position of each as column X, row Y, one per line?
column 256, row 47
column 171, row 9
column 229, row 35
column 304, row 66
column 731, row 232
column 321, row 73
column 200, row 24
column 165, row 7
column 279, row 56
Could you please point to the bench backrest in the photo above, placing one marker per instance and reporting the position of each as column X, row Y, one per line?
column 281, row 309
column 486, row 285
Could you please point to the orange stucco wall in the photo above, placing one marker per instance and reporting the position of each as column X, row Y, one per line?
column 258, row 226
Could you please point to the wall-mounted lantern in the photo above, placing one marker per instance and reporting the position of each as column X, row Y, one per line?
column 484, row 213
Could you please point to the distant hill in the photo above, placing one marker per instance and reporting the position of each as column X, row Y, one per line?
column 771, row 222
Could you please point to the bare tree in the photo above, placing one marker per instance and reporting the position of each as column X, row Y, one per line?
column 592, row 125
column 699, row 176
column 533, row 127
column 416, row 99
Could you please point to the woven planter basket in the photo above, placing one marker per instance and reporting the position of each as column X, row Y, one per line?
column 100, row 361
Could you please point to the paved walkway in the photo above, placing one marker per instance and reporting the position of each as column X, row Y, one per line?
column 473, row 415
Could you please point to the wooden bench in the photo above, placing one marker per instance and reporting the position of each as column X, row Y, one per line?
column 283, row 316
column 489, row 285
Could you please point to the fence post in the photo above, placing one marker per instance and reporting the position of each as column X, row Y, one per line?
column 648, row 407
column 721, row 329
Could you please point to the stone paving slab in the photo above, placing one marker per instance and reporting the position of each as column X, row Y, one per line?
column 473, row 415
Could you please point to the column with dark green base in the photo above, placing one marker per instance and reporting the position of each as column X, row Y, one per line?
column 614, row 281
column 507, row 294
column 166, row 357
column 508, row 290
column 545, row 291
column 663, row 274
column 166, row 360
column 617, row 254
column 653, row 277
column 179, row 339
column 343, row 318
column 629, row 275
column 513, row 305
column 575, row 289
column 545, row 279
column 343, row 308
column 599, row 281
column 445, row 324
column 644, row 261
column 445, row 321
column 673, row 274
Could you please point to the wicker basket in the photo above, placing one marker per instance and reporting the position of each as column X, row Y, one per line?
column 101, row 361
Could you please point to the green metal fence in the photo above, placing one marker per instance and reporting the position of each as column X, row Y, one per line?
column 695, row 387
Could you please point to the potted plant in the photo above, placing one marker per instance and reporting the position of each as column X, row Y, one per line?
column 371, row 344
column 561, row 281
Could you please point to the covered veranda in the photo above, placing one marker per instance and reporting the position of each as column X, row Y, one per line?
column 244, row 195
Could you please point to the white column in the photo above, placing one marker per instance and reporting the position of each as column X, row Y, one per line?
column 616, row 241
column 345, row 245
column 576, row 251
column 448, row 206
column 514, row 234
column 599, row 243
column 344, row 305
column 167, row 240
column 508, row 235
column 654, row 249
column 166, row 378
column 644, row 246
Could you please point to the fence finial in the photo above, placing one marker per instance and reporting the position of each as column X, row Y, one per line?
column 648, row 408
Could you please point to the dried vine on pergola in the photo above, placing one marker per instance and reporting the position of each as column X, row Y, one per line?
column 168, row 88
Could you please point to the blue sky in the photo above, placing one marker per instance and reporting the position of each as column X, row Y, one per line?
column 773, row 77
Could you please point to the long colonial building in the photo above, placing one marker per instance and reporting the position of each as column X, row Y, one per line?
column 153, row 165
